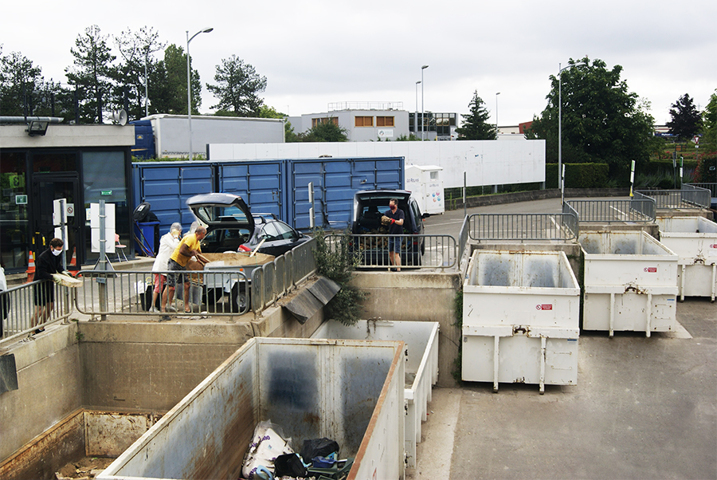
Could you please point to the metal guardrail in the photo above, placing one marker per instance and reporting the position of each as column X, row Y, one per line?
column 688, row 197
column 19, row 312
column 640, row 209
column 527, row 226
column 417, row 251
column 275, row 279
column 127, row 292
column 712, row 187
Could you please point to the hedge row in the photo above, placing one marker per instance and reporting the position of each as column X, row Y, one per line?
column 578, row 175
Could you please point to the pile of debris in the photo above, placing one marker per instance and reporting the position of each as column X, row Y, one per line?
column 271, row 457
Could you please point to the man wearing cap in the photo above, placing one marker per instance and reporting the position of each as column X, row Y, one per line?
column 189, row 247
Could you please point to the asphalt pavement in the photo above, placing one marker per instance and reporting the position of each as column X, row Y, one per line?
column 642, row 407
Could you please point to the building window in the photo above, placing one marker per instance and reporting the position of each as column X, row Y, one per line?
column 318, row 121
column 384, row 122
column 363, row 121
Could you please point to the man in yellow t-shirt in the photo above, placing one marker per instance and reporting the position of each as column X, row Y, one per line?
column 189, row 247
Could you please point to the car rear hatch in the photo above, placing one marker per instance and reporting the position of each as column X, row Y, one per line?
column 380, row 199
column 221, row 210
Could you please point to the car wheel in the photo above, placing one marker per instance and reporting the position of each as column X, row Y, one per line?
column 240, row 298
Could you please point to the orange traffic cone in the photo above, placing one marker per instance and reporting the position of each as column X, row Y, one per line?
column 31, row 268
column 72, row 267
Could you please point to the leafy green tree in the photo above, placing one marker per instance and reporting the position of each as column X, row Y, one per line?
column 136, row 50
column 602, row 121
column 709, row 129
column 686, row 120
column 475, row 124
column 237, row 87
column 169, row 94
column 325, row 132
column 92, row 73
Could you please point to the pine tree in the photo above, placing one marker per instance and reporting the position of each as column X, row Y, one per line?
column 686, row 120
column 475, row 125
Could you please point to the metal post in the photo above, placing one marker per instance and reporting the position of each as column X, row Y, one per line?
column 189, row 87
column 560, row 120
column 465, row 183
column 312, row 221
column 496, row 113
column 63, row 222
column 102, row 289
column 415, row 119
column 189, row 98
column 423, row 114
column 146, row 88
column 632, row 176
column 562, row 187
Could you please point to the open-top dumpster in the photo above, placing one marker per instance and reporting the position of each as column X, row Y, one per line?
column 520, row 319
column 421, row 339
column 630, row 282
column 694, row 240
column 349, row 391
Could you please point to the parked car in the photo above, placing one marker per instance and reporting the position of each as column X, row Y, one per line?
column 369, row 206
column 231, row 225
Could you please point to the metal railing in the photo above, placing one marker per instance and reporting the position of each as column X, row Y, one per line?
column 275, row 279
column 712, row 187
column 688, row 197
column 640, row 209
column 417, row 251
column 20, row 307
column 129, row 292
column 526, row 226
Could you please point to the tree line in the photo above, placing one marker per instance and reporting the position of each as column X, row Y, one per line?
column 135, row 71
column 602, row 120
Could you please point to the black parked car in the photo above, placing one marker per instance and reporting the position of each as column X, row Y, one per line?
column 369, row 206
column 231, row 225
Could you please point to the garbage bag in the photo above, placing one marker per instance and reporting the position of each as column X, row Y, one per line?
column 289, row 464
column 318, row 447
column 266, row 445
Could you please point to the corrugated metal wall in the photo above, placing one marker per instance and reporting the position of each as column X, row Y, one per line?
column 272, row 186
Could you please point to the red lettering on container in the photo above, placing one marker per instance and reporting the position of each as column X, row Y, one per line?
column 651, row 269
column 544, row 306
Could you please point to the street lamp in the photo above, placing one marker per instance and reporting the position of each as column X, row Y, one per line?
column 415, row 120
column 560, row 126
column 189, row 87
column 146, row 82
column 423, row 121
column 496, row 113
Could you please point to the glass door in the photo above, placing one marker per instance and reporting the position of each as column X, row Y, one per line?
column 45, row 189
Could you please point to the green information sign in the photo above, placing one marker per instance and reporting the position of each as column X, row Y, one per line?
column 106, row 192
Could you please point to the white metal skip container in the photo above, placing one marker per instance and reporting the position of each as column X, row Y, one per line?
column 694, row 240
column 521, row 314
column 421, row 340
column 630, row 282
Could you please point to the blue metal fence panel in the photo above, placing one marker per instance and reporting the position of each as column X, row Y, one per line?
column 261, row 184
column 168, row 185
column 336, row 180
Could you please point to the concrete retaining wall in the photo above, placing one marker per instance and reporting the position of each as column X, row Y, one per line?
column 124, row 365
column 422, row 297
column 49, row 387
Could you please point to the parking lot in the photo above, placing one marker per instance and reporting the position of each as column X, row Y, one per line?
column 642, row 408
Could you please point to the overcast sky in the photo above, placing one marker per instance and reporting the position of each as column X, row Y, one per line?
column 316, row 52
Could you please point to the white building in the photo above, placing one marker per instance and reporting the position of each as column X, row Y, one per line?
column 379, row 121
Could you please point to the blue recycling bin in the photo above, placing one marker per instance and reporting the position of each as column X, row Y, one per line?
column 146, row 238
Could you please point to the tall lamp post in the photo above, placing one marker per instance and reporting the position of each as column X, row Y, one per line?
column 189, row 87
column 415, row 120
column 423, row 121
column 496, row 113
column 560, row 120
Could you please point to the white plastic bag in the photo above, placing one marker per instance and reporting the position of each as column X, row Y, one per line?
column 265, row 446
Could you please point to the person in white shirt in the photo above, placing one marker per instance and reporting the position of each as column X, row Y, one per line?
column 167, row 244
